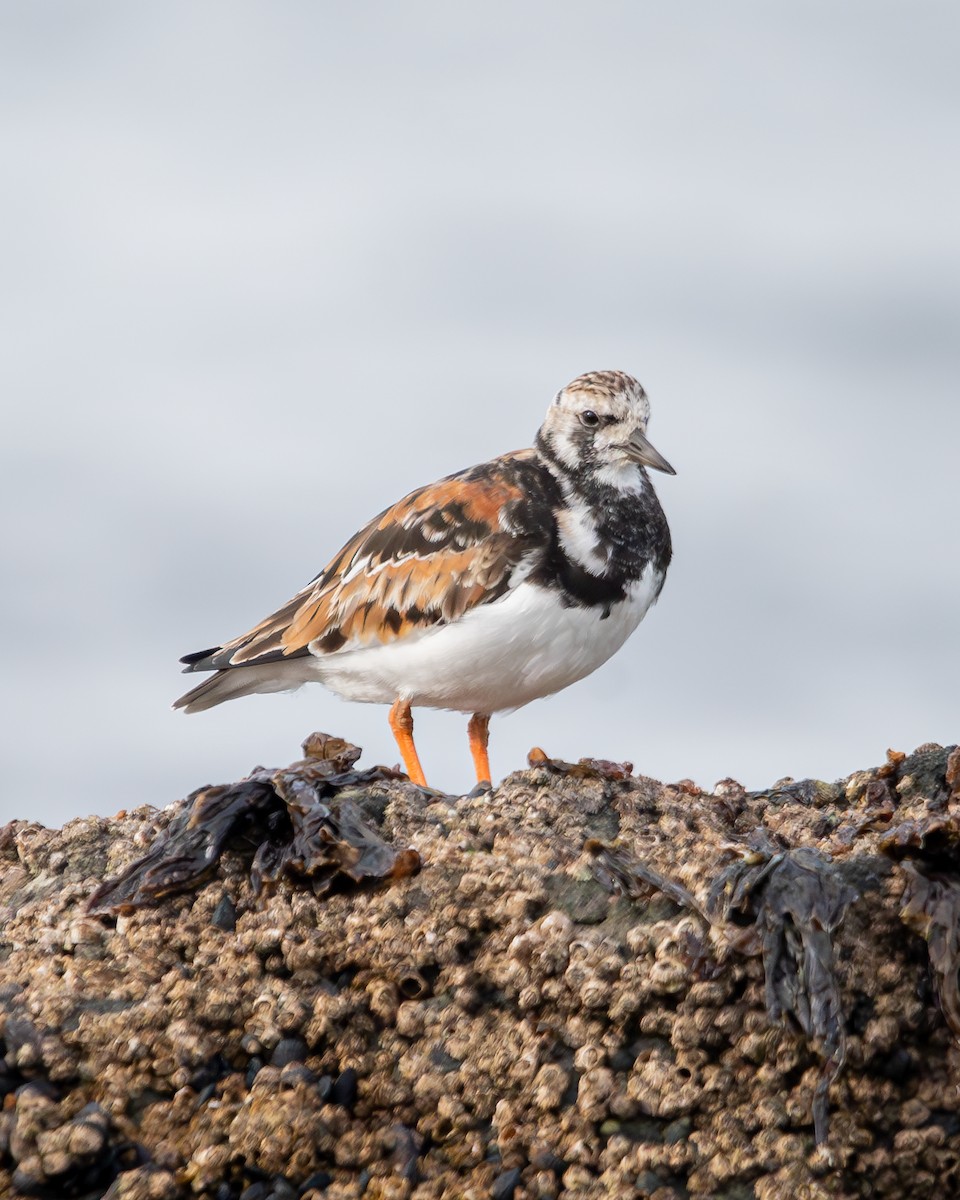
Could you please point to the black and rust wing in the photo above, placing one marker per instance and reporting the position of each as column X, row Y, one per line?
column 439, row 552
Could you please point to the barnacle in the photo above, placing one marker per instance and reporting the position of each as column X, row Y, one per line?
column 797, row 900
column 559, row 1004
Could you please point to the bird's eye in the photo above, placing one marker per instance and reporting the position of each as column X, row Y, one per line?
column 590, row 419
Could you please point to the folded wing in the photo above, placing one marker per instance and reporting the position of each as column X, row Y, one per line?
column 430, row 558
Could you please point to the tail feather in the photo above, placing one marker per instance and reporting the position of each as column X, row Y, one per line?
column 225, row 685
column 232, row 682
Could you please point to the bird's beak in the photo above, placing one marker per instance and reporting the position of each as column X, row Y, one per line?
column 640, row 451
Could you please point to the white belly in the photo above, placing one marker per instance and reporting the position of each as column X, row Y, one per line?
column 497, row 656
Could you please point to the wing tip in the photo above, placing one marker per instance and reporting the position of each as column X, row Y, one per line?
column 195, row 661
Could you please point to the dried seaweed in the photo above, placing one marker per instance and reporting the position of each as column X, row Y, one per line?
column 811, row 793
column 187, row 852
column 731, row 896
column 623, row 874
column 935, row 838
column 931, row 907
column 803, row 903
column 586, row 768
column 283, row 814
column 326, row 844
column 798, row 900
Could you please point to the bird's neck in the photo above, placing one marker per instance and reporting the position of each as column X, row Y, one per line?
column 597, row 484
column 609, row 523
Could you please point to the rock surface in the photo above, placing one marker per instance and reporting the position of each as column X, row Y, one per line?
column 596, row 986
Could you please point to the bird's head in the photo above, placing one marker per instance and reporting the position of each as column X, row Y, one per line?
column 597, row 426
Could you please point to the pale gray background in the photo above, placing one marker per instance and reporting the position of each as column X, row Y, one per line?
column 266, row 267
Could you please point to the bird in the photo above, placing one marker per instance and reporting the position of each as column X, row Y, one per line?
column 493, row 587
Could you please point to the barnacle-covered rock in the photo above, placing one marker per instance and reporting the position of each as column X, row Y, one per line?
column 597, row 986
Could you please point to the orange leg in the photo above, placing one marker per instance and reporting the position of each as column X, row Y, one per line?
column 479, row 731
column 401, row 722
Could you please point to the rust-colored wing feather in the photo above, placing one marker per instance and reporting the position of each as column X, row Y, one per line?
column 427, row 560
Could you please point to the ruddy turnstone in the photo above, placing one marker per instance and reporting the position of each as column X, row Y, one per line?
column 496, row 586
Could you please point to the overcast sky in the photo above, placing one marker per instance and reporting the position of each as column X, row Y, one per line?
column 266, row 267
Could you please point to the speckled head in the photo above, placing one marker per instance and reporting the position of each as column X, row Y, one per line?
column 612, row 390
column 597, row 425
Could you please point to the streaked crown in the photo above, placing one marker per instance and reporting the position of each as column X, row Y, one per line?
column 614, row 391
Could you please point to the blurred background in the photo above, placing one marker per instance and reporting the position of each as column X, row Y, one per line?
column 268, row 267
